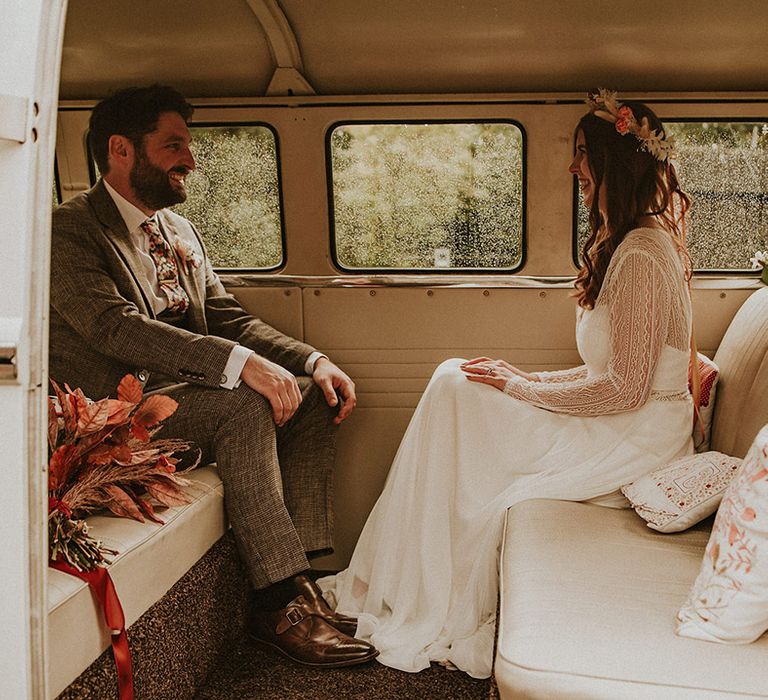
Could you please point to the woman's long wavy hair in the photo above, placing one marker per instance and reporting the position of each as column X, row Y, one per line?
column 636, row 184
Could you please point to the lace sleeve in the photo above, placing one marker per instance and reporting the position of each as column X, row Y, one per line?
column 560, row 376
column 637, row 293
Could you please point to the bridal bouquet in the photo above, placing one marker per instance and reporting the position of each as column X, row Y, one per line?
column 102, row 455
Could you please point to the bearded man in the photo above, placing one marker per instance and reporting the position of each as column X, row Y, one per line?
column 133, row 291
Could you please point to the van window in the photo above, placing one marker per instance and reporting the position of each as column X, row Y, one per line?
column 723, row 166
column 234, row 196
column 427, row 196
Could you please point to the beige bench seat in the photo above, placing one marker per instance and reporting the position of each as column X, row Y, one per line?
column 588, row 603
column 151, row 559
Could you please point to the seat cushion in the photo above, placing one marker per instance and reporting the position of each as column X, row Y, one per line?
column 588, row 603
column 741, row 407
column 151, row 559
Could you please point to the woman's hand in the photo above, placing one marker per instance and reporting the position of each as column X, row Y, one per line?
column 494, row 372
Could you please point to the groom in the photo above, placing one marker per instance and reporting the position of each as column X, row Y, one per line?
column 132, row 291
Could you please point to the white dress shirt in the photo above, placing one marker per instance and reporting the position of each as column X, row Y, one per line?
column 134, row 218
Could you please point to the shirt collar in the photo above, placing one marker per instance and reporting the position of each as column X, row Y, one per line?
column 132, row 215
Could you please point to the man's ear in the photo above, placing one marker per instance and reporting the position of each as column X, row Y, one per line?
column 121, row 151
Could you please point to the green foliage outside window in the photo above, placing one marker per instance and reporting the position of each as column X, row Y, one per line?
column 234, row 198
column 425, row 196
column 723, row 166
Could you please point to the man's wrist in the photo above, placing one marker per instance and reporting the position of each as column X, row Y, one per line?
column 312, row 360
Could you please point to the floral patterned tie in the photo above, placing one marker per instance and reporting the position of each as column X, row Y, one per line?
column 167, row 271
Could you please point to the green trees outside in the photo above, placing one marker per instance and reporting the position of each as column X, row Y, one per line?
column 234, row 197
column 415, row 196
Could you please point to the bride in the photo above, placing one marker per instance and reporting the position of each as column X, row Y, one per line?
column 485, row 435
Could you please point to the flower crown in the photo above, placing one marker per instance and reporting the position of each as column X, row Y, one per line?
column 605, row 104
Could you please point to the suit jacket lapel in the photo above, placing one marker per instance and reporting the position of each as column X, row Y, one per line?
column 117, row 233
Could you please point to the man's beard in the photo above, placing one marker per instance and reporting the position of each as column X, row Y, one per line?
column 152, row 184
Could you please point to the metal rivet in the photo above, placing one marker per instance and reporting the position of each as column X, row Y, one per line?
column 372, row 292
column 486, row 293
column 542, row 294
column 430, row 293
column 722, row 295
column 317, row 292
column 287, row 292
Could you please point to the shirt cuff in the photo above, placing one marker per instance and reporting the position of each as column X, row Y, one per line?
column 309, row 365
column 237, row 359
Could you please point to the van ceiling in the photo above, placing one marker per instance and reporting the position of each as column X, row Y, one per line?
column 219, row 48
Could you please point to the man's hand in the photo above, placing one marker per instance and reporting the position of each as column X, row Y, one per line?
column 331, row 379
column 274, row 383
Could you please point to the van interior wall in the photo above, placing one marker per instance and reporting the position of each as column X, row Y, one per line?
column 390, row 339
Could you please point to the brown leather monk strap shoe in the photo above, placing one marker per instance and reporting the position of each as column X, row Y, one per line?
column 314, row 597
column 304, row 636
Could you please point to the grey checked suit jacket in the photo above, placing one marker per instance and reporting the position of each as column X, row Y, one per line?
column 102, row 325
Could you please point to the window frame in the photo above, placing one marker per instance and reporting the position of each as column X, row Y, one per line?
column 431, row 270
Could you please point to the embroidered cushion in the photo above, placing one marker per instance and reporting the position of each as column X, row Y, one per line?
column 729, row 600
column 708, row 373
column 680, row 494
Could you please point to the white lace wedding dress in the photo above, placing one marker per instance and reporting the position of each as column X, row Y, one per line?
column 423, row 577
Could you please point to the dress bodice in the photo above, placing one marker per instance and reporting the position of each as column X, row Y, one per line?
column 593, row 343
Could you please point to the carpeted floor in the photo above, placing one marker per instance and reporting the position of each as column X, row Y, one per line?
column 250, row 673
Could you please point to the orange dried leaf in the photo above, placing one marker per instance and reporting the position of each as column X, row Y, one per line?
column 169, row 494
column 100, row 456
column 122, row 454
column 65, row 407
column 155, row 409
column 122, row 504
column 130, row 390
column 148, row 510
column 53, row 425
column 139, row 432
column 60, row 466
column 92, row 417
column 119, row 411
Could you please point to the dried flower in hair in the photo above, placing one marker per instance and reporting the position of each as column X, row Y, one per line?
column 605, row 105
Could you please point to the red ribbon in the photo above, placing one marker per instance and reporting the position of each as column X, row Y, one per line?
column 103, row 588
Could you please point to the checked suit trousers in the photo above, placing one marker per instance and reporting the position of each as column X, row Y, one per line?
column 277, row 481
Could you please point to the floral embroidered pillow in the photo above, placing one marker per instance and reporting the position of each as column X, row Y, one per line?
column 708, row 373
column 729, row 600
column 679, row 495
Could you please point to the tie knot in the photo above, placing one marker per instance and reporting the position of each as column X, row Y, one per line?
column 150, row 226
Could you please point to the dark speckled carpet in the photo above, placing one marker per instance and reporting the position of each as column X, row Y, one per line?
column 248, row 672
column 177, row 653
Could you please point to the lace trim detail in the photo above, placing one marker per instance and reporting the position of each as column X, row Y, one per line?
column 670, row 395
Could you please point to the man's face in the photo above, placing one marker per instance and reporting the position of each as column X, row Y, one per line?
column 162, row 163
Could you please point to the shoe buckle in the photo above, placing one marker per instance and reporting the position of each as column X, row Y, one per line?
column 294, row 615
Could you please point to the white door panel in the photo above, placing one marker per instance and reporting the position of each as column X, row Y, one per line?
column 30, row 48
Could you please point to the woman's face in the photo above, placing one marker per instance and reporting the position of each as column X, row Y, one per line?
column 580, row 168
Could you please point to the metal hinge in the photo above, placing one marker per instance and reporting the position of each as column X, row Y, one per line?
column 8, row 370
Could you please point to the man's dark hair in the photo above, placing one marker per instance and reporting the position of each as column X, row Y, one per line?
column 132, row 113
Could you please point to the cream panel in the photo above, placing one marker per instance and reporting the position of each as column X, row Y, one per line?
column 277, row 306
